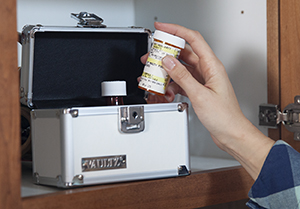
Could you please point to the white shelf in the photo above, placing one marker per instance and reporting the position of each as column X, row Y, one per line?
column 209, row 163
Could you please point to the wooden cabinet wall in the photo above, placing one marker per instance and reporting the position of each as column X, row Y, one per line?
column 10, row 175
column 196, row 190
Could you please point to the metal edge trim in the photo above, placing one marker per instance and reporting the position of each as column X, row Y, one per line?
column 58, row 182
column 66, row 135
column 107, row 110
column 30, row 67
column 45, row 113
column 146, row 30
column 75, row 28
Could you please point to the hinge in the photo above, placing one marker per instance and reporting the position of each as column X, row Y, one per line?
column 270, row 116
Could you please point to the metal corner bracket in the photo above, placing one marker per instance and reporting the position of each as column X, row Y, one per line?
column 36, row 178
column 182, row 107
column 77, row 180
column 183, row 171
column 73, row 112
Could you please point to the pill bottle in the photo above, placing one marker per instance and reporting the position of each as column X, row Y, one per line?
column 114, row 91
column 154, row 78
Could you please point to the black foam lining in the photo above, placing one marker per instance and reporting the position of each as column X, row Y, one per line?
column 70, row 66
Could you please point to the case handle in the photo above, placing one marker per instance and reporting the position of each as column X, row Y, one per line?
column 88, row 20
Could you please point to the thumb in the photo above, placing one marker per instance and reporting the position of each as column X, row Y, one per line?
column 181, row 75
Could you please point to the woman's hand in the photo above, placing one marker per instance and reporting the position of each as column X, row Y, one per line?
column 203, row 79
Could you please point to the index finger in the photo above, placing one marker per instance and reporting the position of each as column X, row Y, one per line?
column 194, row 38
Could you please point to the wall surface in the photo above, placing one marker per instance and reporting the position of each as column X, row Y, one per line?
column 116, row 13
column 57, row 12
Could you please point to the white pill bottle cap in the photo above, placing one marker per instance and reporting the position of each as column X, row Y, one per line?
column 169, row 38
column 113, row 88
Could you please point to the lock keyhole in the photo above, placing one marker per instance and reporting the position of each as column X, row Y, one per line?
column 135, row 115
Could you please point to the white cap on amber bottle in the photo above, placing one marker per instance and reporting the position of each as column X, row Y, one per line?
column 169, row 38
column 113, row 88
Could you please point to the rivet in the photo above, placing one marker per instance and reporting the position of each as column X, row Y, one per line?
column 80, row 177
column 74, row 113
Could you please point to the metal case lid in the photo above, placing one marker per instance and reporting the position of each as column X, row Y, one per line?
column 66, row 65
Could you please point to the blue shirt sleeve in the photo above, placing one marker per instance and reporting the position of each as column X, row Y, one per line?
column 278, row 184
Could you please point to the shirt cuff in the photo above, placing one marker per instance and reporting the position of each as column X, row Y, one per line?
column 278, row 183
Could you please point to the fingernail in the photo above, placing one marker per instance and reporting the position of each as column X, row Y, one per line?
column 168, row 63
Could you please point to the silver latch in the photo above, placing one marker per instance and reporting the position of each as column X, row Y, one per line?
column 88, row 20
column 271, row 116
column 131, row 119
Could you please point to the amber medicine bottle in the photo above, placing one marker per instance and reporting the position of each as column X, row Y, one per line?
column 154, row 78
column 114, row 91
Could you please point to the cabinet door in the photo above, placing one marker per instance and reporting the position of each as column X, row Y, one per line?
column 289, row 60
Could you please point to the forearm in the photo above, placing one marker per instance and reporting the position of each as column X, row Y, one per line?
column 250, row 148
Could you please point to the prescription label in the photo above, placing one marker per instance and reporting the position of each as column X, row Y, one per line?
column 154, row 77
